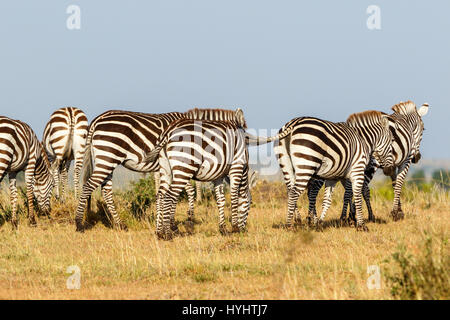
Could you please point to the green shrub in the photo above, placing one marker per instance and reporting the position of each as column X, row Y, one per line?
column 423, row 278
column 141, row 196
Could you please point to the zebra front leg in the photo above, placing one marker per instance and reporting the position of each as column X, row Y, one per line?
column 235, row 182
column 348, row 195
column 199, row 191
column 329, row 187
column 55, row 170
column 357, row 185
column 397, row 183
column 107, row 194
column 94, row 181
column 244, row 206
column 29, row 182
column 220, row 199
column 78, row 165
column 65, row 179
column 366, row 195
column 13, row 195
column 169, row 203
column 190, row 191
column 313, row 190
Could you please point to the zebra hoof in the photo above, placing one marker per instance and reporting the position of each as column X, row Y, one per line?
column 122, row 227
column 80, row 227
column 310, row 221
column 164, row 236
column 397, row 215
column 174, row 227
column 362, row 227
column 14, row 224
column 319, row 226
column 223, row 230
column 33, row 223
column 372, row 218
column 235, row 229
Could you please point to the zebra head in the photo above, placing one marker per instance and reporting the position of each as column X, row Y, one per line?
column 383, row 150
column 413, row 119
column 418, row 132
column 43, row 183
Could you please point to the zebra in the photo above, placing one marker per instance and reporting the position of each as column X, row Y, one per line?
column 407, row 132
column 333, row 151
column 124, row 138
column 20, row 150
column 64, row 141
column 204, row 151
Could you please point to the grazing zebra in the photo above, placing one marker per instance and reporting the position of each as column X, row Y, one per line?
column 124, row 138
column 20, row 150
column 333, row 151
column 204, row 151
column 64, row 141
column 407, row 132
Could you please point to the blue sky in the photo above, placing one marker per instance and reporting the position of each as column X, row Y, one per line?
column 275, row 59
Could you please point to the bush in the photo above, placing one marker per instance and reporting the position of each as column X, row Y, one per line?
column 421, row 277
column 441, row 178
column 141, row 196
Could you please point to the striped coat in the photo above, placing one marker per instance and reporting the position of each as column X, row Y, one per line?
column 124, row 138
column 64, row 141
column 333, row 151
column 20, row 150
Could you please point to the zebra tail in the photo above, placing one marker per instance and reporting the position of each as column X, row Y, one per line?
column 256, row 140
column 87, row 167
column 153, row 155
column 68, row 146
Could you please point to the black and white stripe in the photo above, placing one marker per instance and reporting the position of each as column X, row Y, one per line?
column 124, row 138
column 64, row 140
column 407, row 130
column 20, row 150
column 204, row 151
column 333, row 151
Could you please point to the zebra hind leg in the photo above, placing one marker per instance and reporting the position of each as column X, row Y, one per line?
column 107, row 194
column 190, row 191
column 13, row 190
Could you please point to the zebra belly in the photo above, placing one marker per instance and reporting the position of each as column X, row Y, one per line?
column 328, row 170
column 207, row 171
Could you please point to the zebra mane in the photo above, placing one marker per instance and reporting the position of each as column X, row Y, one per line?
column 404, row 108
column 372, row 116
column 236, row 116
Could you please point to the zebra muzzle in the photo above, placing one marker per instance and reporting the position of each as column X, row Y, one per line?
column 389, row 171
column 416, row 157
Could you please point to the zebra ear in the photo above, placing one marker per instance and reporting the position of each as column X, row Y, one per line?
column 423, row 110
column 239, row 116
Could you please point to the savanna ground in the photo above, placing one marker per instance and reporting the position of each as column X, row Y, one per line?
column 267, row 262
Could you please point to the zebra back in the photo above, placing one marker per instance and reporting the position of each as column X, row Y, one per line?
column 236, row 116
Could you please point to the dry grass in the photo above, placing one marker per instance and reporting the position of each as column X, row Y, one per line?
column 268, row 262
